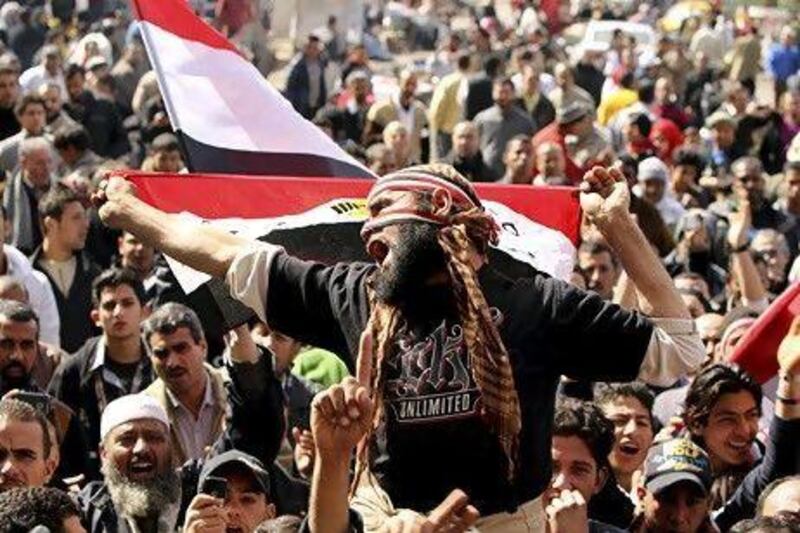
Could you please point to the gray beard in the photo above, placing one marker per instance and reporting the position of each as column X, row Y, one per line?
column 141, row 499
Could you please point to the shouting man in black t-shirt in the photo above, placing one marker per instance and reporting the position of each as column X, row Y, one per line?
column 465, row 361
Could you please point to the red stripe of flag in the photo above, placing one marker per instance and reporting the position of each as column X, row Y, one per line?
column 178, row 18
column 227, row 196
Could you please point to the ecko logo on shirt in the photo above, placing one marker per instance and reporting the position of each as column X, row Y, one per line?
column 430, row 379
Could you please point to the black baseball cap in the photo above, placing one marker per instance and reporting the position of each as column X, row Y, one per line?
column 675, row 461
column 236, row 458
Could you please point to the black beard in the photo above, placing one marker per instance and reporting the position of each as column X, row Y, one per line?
column 8, row 383
column 403, row 282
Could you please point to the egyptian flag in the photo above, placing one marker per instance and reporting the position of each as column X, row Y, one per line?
column 320, row 219
column 227, row 116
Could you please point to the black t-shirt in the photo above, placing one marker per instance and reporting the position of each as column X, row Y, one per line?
column 124, row 371
column 433, row 440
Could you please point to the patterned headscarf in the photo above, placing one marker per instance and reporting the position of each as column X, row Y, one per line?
column 467, row 225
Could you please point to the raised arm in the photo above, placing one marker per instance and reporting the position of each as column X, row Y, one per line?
column 201, row 247
column 743, row 268
column 605, row 198
column 674, row 348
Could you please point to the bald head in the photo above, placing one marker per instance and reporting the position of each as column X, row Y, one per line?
column 782, row 496
column 465, row 139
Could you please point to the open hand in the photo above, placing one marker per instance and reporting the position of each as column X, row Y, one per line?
column 604, row 195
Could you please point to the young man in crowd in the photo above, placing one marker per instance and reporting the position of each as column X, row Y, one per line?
column 62, row 258
column 600, row 266
column 421, row 467
column 9, row 94
column 518, row 161
column 39, row 293
column 73, row 146
column 32, row 116
column 143, row 487
column 721, row 415
column 165, row 155
column 246, row 503
column 110, row 365
column 582, row 442
column 674, row 494
column 629, row 406
column 500, row 124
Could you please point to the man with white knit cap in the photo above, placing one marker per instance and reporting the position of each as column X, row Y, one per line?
column 653, row 177
column 142, row 485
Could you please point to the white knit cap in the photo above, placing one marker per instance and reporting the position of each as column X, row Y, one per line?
column 131, row 407
column 653, row 168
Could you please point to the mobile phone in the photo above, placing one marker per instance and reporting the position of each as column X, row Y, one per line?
column 38, row 400
column 215, row 486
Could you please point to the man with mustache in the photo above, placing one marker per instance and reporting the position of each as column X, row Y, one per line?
column 19, row 352
column 191, row 391
column 459, row 353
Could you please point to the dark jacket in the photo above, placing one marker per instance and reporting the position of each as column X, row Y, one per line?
column 472, row 168
column 103, row 123
column 74, row 309
column 543, row 113
column 591, row 80
column 298, row 88
column 253, row 389
column 86, row 386
column 479, row 95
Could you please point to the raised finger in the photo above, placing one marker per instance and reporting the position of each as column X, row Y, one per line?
column 365, row 356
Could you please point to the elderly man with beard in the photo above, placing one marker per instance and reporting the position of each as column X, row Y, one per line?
column 142, row 490
column 461, row 353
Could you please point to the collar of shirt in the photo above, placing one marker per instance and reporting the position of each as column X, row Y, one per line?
column 109, row 377
column 208, row 397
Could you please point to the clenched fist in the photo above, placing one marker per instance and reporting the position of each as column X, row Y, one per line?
column 604, row 195
column 110, row 198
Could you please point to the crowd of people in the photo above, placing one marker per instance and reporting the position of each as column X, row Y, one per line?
column 423, row 392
